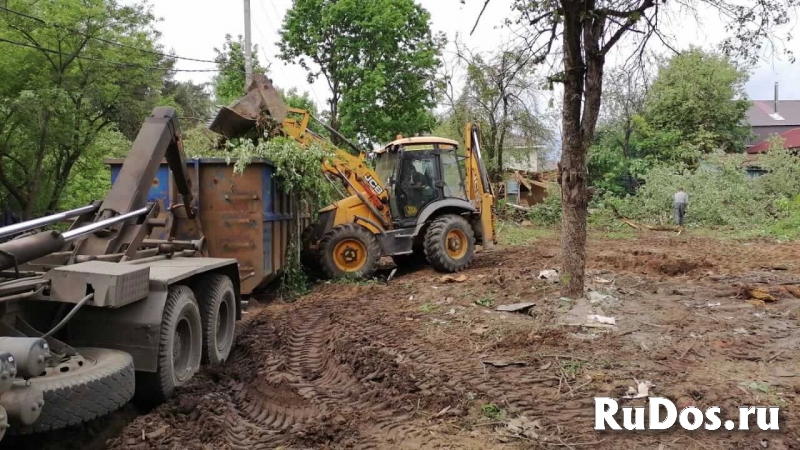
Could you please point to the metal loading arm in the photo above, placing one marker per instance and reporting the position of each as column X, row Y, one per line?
column 158, row 138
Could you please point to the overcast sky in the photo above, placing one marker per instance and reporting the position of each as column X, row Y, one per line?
column 192, row 28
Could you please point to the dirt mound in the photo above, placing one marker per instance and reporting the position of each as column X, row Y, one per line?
column 650, row 262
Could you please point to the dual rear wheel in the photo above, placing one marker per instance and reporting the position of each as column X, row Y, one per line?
column 198, row 327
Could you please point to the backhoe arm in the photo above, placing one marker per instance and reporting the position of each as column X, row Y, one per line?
column 479, row 189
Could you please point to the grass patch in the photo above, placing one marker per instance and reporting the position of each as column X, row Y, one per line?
column 486, row 302
column 510, row 233
column 493, row 412
column 428, row 308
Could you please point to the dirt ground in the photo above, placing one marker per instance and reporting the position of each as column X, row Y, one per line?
column 422, row 363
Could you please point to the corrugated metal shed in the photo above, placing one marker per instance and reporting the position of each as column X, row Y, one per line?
column 791, row 139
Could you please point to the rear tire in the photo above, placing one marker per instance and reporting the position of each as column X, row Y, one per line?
column 217, row 300
column 450, row 244
column 180, row 348
column 104, row 382
column 349, row 250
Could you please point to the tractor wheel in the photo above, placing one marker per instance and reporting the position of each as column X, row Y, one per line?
column 217, row 301
column 450, row 243
column 349, row 251
column 180, row 348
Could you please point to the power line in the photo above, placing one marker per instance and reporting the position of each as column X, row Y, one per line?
column 111, row 63
column 277, row 30
column 107, row 41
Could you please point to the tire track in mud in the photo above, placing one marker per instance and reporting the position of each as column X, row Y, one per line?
column 305, row 382
column 515, row 389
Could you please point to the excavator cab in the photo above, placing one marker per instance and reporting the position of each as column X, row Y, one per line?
column 419, row 172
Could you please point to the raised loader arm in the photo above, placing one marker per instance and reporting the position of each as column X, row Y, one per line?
column 262, row 104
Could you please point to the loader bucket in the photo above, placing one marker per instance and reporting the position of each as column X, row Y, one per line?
column 243, row 115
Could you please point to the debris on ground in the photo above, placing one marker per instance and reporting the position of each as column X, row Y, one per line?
column 504, row 363
column 549, row 275
column 516, row 307
column 451, row 279
column 480, row 330
column 524, row 427
column 609, row 301
column 601, row 319
column 642, row 389
column 750, row 292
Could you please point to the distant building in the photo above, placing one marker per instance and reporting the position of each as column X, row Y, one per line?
column 768, row 117
column 522, row 154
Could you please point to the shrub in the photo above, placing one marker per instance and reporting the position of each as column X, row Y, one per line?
column 548, row 212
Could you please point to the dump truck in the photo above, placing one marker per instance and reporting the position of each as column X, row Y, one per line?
column 143, row 287
column 425, row 200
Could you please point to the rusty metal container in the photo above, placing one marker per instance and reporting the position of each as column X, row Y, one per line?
column 244, row 216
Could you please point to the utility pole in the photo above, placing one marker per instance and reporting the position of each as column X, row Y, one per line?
column 248, row 58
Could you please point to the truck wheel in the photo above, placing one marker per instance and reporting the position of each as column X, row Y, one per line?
column 84, row 388
column 179, row 348
column 349, row 250
column 217, row 301
column 450, row 243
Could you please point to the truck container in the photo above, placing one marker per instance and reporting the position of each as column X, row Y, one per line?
column 244, row 216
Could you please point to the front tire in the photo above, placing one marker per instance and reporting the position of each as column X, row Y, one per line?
column 217, row 301
column 349, row 250
column 179, row 349
column 450, row 244
column 86, row 387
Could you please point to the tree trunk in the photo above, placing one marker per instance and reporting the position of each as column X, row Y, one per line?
column 572, row 168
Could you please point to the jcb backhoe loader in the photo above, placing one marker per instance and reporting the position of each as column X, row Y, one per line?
column 423, row 201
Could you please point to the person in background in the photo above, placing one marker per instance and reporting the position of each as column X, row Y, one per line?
column 679, row 204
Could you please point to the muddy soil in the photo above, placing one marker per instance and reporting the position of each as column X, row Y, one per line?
column 422, row 363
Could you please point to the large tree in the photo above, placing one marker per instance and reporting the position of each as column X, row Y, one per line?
column 582, row 33
column 71, row 72
column 378, row 58
column 700, row 95
column 695, row 105
column 499, row 92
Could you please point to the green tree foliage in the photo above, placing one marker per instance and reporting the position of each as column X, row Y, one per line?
column 66, row 88
column 720, row 191
column 378, row 57
column 695, row 106
column 229, row 82
column 701, row 95
column 191, row 100
column 498, row 95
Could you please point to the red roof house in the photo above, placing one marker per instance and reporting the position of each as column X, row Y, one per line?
column 791, row 140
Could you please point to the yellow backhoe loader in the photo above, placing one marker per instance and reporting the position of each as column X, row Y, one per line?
column 424, row 200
